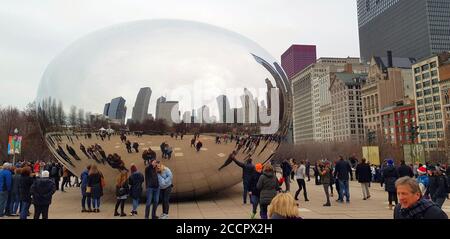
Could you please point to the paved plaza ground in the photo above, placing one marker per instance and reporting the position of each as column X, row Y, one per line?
column 228, row 205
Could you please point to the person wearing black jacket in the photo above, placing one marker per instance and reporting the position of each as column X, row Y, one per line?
column 152, row 185
column 287, row 169
column 438, row 186
column 404, row 170
column 135, row 180
column 122, row 191
column 342, row 172
column 363, row 175
column 390, row 175
column 412, row 205
column 42, row 191
column 247, row 172
column 24, row 192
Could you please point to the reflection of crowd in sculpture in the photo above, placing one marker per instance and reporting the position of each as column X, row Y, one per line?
column 135, row 146
column 115, row 161
column 148, row 155
column 166, row 150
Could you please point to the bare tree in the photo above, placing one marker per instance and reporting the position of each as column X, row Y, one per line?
column 81, row 117
column 73, row 116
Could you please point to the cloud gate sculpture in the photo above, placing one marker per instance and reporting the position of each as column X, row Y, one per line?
column 191, row 91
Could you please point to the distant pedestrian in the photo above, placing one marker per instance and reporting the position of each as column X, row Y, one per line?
column 287, row 169
column 300, row 176
column 342, row 171
column 363, row 175
column 325, row 178
column 308, row 168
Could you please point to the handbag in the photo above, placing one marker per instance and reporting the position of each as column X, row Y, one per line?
column 88, row 189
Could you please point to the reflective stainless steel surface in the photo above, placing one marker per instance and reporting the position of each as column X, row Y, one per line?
column 137, row 83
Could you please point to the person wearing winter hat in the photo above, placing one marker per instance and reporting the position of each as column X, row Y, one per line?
column 253, row 190
column 42, row 191
column 422, row 179
column 390, row 175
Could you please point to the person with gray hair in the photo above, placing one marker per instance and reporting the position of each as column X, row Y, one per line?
column 5, row 187
column 411, row 203
column 42, row 191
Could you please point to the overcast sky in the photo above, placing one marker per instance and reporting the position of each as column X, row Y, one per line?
column 32, row 32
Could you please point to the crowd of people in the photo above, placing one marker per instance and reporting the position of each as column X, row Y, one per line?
column 23, row 185
column 130, row 183
column 412, row 191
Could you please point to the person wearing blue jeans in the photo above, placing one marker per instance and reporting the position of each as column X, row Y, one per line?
column 84, row 195
column 152, row 199
column 248, row 170
column 344, row 190
column 165, row 184
column 24, row 192
column 135, row 180
column 5, row 187
column 343, row 172
column 152, row 185
column 24, row 208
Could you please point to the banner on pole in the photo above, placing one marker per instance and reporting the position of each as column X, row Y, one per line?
column 414, row 153
column 14, row 144
column 371, row 154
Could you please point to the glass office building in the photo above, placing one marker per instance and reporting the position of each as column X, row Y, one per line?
column 409, row 28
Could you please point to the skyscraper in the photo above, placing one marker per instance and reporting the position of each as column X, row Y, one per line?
column 297, row 58
column 160, row 100
column 117, row 110
column 167, row 110
column 106, row 109
column 225, row 113
column 409, row 28
column 140, row 108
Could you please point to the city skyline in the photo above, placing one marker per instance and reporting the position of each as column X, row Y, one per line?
column 248, row 112
column 53, row 38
